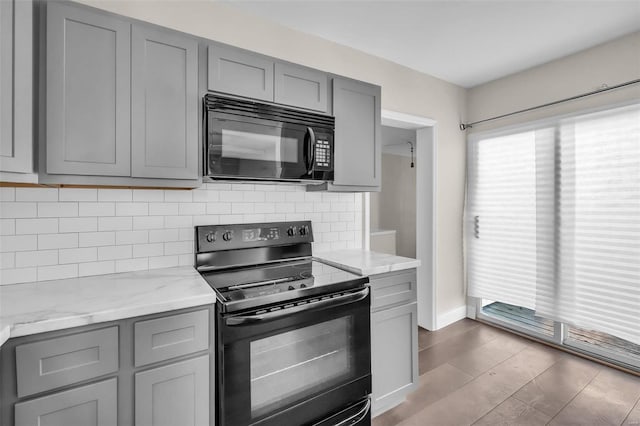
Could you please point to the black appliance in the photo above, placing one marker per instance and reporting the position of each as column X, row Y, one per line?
column 293, row 334
column 253, row 140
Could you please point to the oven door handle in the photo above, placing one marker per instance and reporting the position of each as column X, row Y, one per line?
column 270, row 316
column 356, row 418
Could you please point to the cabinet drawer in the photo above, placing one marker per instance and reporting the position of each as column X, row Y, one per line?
column 393, row 289
column 169, row 337
column 61, row 361
column 95, row 404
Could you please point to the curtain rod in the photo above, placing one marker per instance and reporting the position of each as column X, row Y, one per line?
column 605, row 88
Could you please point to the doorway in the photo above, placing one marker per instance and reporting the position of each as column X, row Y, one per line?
column 425, row 131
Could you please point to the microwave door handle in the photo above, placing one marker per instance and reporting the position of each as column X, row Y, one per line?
column 270, row 316
column 310, row 139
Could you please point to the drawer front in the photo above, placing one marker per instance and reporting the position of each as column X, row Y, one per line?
column 95, row 404
column 393, row 289
column 169, row 337
column 61, row 361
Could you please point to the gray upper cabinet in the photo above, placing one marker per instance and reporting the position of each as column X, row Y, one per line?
column 356, row 107
column 95, row 404
column 16, row 71
column 301, row 87
column 88, row 92
column 240, row 73
column 175, row 394
column 164, row 99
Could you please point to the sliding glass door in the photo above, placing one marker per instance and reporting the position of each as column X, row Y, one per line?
column 552, row 231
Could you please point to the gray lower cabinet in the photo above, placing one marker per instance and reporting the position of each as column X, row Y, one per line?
column 145, row 371
column 95, row 404
column 88, row 87
column 164, row 99
column 16, row 86
column 240, row 72
column 394, row 338
column 301, row 87
column 175, row 394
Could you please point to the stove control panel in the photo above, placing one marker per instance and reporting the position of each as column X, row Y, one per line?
column 229, row 237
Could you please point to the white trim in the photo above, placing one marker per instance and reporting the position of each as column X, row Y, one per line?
column 405, row 121
column 451, row 316
column 426, row 137
column 366, row 220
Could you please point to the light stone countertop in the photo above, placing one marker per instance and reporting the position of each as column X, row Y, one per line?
column 366, row 262
column 38, row 307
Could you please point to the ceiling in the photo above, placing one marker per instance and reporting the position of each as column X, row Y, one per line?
column 464, row 42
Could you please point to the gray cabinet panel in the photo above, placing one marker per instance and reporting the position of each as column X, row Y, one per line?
column 95, row 404
column 356, row 107
column 172, row 336
column 301, row 87
column 392, row 289
column 176, row 394
column 16, row 86
column 164, row 98
column 394, row 355
column 88, row 92
column 61, row 361
column 240, row 73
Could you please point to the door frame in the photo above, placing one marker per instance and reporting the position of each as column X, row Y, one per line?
column 426, row 213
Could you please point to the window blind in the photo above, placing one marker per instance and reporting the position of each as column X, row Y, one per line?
column 552, row 220
column 598, row 241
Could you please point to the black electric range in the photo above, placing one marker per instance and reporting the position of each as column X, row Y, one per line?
column 292, row 334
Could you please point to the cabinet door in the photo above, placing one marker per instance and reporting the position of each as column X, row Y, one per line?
column 88, row 92
column 240, row 73
column 16, row 113
column 356, row 107
column 300, row 87
column 176, row 394
column 95, row 404
column 394, row 355
column 164, row 99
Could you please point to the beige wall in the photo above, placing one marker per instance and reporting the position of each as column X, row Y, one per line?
column 396, row 203
column 403, row 90
column 611, row 63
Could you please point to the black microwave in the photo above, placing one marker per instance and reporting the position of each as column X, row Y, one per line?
column 253, row 140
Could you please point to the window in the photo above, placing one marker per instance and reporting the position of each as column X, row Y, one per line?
column 553, row 227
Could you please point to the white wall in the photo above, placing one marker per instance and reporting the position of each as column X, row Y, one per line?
column 51, row 233
column 403, row 90
column 611, row 63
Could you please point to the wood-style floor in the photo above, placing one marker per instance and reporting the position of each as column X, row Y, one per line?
column 472, row 373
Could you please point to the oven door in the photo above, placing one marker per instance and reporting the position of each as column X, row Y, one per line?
column 248, row 147
column 294, row 365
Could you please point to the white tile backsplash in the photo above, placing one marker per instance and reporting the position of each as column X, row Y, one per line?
column 50, row 233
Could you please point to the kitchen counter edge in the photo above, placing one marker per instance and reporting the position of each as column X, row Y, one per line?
column 39, row 307
column 366, row 262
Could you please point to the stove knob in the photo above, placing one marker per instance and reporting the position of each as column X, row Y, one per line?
column 291, row 287
column 303, row 286
column 227, row 236
column 291, row 231
column 211, row 237
column 304, row 230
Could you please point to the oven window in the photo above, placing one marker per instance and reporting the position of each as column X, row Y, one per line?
column 259, row 146
column 294, row 364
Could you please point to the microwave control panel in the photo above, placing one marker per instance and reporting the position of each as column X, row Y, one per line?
column 323, row 155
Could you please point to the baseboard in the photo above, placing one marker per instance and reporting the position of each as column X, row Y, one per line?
column 451, row 316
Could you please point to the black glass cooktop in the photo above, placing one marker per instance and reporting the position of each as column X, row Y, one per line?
column 277, row 282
